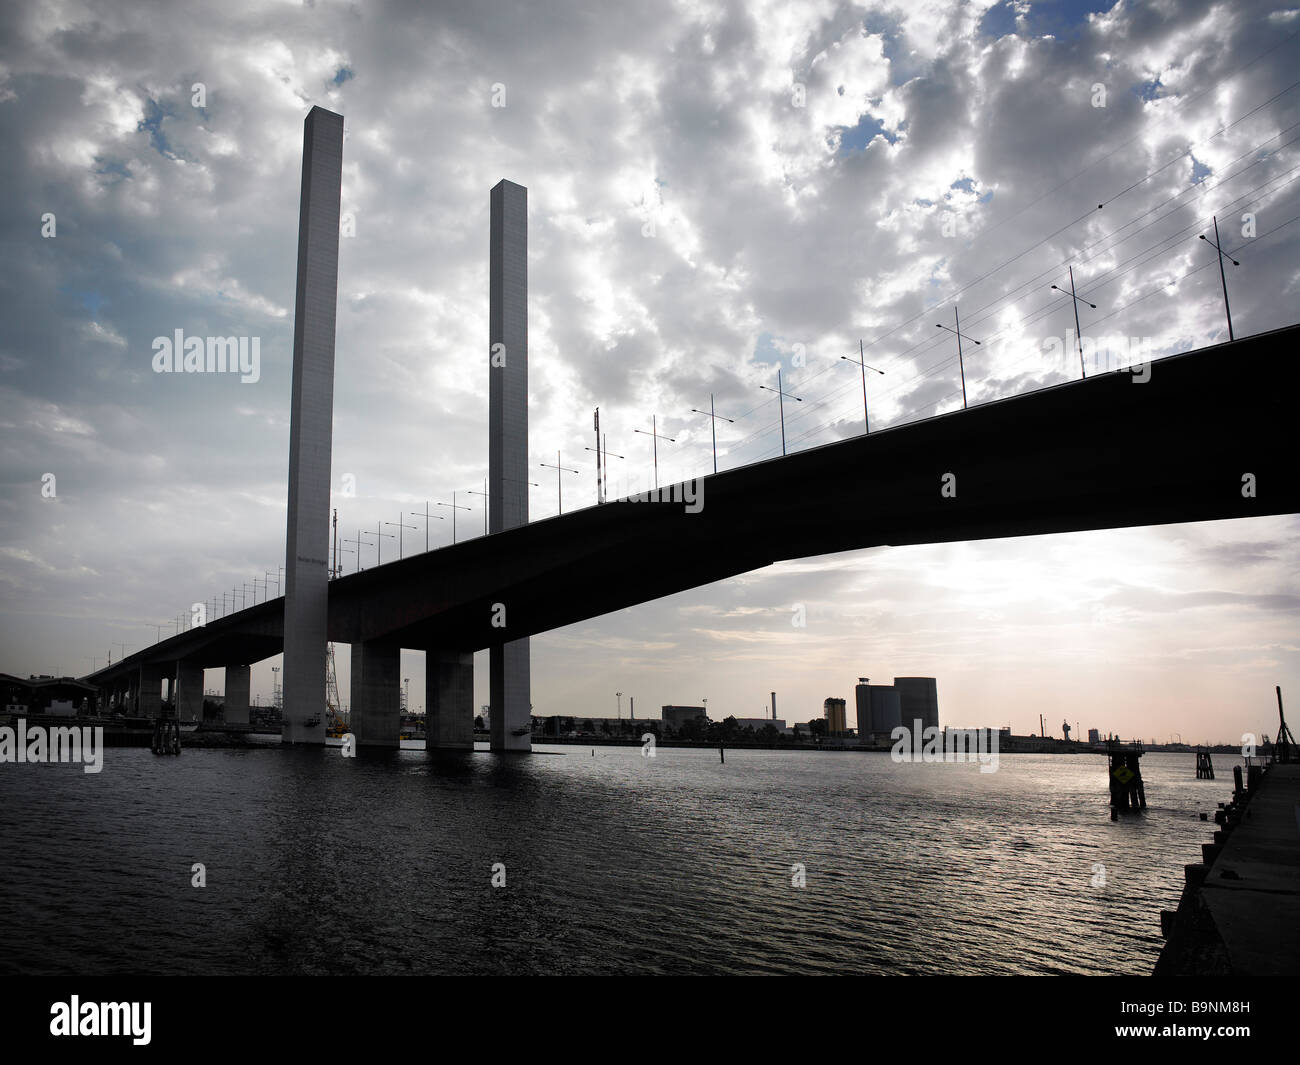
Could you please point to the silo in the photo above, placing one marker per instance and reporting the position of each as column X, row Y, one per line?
column 886, row 709
column 919, row 697
column 862, row 694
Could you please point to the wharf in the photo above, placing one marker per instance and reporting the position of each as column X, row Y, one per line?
column 1240, row 911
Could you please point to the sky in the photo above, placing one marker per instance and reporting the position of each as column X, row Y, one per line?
column 716, row 191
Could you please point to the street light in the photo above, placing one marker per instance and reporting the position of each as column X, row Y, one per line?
column 619, row 696
column 454, row 507
column 427, row 518
column 1222, row 276
column 559, row 496
column 960, row 362
column 861, row 361
column 654, row 435
column 484, row 494
column 400, row 536
column 1078, row 331
column 780, row 398
column 713, row 424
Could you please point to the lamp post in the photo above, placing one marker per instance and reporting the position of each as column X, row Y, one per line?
column 400, row 535
column 960, row 362
column 358, row 541
column 454, row 507
column 1223, row 277
column 780, row 398
column 427, row 518
column 861, row 361
column 655, row 437
column 484, row 494
column 619, row 697
column 713, row 424
column 559, row 470
column 1078, row 331
column 380, row 537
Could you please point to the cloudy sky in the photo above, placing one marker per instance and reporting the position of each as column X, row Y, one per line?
column 716, row 190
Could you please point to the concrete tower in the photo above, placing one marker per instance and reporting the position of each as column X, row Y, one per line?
column 862, row 702
column 919, row 698
column 311, row 429
column 508, row 666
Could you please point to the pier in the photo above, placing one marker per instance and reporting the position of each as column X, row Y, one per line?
column 1240, row 910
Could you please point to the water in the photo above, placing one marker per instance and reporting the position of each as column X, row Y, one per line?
column 614, row 863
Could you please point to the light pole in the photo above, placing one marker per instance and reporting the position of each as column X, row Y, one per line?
column 559, row 495
column 780, row 399
column 713, row 424
column 454, row 507
column 380, row 537
column 358, row 541
column 655, row 437
column 484, row 494
column 1078, row 331
column 960, row 362
column 619, row 696
column 861, row 361
column 400, row 536
column 427, row 518
column 602, row 460
column 1222, row 276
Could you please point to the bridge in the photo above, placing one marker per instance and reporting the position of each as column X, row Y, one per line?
column 1207, row 436
column 1198, row 436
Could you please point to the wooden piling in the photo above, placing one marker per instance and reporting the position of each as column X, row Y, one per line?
column 1204, row 767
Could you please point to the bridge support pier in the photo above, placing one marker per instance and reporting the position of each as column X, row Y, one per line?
column 376, row 694
column 149, row 689
column 449, row 699
column 238, row 682
column 509, row 685
column 188, row 696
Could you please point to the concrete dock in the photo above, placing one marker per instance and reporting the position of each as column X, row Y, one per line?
column 1240, row 910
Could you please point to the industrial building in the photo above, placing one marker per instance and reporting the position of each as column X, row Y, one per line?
column 881, row 708
column 676, row 716
column 918, row 700
column 834, row 710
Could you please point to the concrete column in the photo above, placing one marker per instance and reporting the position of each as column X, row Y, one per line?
column 149, row 690
column 449, row 699
column 189, row 691
column 306, row 602
column 238, row 682
column 376, row 694
column 508, row 672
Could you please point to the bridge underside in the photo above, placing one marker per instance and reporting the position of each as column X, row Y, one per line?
column 1206, row 437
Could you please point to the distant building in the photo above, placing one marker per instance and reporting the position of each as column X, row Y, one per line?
column 862, row 701
column 757, row 723
column 918, row 700
column 44, row 694
column 1094, row 735
column 835, row 718
column 676, row 716
column 879, row 711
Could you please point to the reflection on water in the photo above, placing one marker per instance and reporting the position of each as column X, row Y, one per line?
column 614, row 863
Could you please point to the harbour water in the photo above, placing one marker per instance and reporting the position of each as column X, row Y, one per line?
column 614, row 863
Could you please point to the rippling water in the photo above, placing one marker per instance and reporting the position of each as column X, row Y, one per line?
column 614, row 863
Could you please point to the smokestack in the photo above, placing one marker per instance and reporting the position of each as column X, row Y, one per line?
column 631, row 706
column 774, row 706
